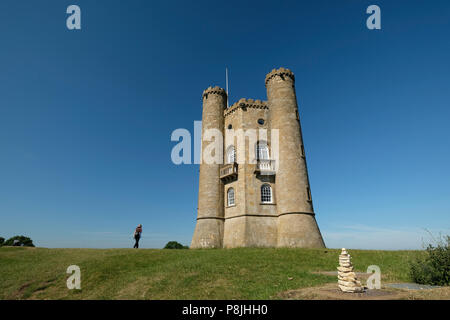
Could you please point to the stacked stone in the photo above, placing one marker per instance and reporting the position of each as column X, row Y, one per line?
column 346, row 277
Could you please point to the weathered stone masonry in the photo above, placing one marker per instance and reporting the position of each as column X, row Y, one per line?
column 288, row 219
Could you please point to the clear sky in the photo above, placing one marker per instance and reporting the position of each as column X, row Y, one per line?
column 86, row 116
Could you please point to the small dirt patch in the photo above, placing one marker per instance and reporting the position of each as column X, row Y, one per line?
column 331, row 292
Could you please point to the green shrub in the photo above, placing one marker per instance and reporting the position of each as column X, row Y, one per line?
column 21, row 241
column 1, row 241
column 434, row 267
column 175, row 245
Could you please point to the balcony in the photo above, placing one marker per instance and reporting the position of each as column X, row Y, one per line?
column 228, row 172
column 266, row 167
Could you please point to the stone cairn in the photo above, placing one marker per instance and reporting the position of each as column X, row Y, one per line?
column 346, row 277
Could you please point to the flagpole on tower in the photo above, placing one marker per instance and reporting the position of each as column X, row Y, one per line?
column 226, row 80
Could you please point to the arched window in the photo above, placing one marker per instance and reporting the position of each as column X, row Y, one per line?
column 266, row 193
column 231, row 154
column 230, row 197
column 262, row 151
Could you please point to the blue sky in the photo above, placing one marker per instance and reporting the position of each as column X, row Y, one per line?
column 86, row 116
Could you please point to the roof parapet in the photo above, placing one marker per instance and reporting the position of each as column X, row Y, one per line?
column 279, row 72
column 214, row 90
column 246, row 103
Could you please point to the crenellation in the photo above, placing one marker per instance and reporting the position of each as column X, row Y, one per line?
column 279, row 72
column 246, row 103
column 214, row 90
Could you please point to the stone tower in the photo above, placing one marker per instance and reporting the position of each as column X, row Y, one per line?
column 260, row 196
column 210, row 217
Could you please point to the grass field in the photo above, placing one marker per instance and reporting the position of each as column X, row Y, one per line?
column 39, row 273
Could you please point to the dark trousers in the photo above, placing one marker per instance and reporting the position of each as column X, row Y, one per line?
column 136, row 245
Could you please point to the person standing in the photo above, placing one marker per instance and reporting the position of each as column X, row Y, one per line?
column 137, row 235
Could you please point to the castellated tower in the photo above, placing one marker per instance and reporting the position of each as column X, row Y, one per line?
column 260, row 196
column 297, row 226
column 210, row 217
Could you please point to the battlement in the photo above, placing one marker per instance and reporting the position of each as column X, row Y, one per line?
column 214, row 90
column 246, row 103
column 279, row 72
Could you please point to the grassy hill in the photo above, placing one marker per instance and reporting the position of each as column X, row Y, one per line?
column 245, row 273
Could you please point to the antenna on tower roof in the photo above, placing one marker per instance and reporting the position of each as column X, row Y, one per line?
column 226, row 84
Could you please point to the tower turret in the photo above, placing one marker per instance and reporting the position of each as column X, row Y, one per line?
column 297, row 226
column 210, row 216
